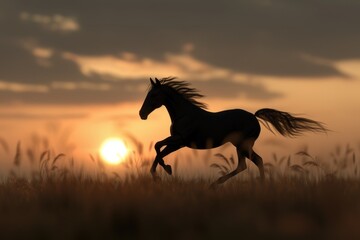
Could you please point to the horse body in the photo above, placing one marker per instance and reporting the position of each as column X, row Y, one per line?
column 195, row 127
column 213, row 129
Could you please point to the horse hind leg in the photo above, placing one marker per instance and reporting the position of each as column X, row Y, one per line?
column 255, row 158
column 248, row 151
column 240, row 167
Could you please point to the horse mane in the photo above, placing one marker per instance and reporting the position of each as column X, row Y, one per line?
column 182, row 88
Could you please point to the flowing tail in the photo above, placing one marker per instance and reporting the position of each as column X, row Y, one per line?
column 288, row 125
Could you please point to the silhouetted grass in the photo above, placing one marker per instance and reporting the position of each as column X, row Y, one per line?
column 303, row 197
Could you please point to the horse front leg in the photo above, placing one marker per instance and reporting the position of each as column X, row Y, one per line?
column 158, row 146
column 172, row 144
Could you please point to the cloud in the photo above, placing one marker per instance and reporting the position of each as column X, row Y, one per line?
column 79, row 55
column 40, row 52
column 351, row 67
column 253, row 37
column 56, row 22
column 20, row 88
column 73, row 86
column 53, row 86
column 130, row 91
column 183, row 65
column 42, row 116
column 215, row 80
column 67, row 95
column 229, row 90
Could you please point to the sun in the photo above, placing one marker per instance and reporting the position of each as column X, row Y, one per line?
column 113, row 150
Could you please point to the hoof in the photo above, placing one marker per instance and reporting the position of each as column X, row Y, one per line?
column 168, row 169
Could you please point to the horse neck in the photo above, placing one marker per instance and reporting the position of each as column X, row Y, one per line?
column 178, row 107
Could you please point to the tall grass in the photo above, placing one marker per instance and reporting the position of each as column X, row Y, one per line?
column 304, row 196
column 342, row 163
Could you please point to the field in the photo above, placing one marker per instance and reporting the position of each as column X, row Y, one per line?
column 300, row 199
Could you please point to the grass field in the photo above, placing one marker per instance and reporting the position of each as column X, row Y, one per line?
column 304, row 199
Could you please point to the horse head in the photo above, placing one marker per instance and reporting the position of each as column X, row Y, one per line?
column 154, row 99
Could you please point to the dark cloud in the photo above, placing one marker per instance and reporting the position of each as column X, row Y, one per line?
column 222, row 89
column 250, row 36
column 127, row 91
column 265, row 37
column 19, row 65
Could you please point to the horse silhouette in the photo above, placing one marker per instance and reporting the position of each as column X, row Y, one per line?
column 195, row 127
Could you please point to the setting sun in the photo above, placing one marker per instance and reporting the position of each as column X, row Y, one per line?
column 113, row 150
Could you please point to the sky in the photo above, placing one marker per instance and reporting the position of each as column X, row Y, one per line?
column 84, row 66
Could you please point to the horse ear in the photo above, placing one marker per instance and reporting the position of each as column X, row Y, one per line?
column 152, row 82
column 157, row 82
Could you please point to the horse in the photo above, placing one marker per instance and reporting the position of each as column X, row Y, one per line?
column 194, row 127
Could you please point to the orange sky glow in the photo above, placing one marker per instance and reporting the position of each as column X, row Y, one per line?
column 76, row 80
column 119, row 120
